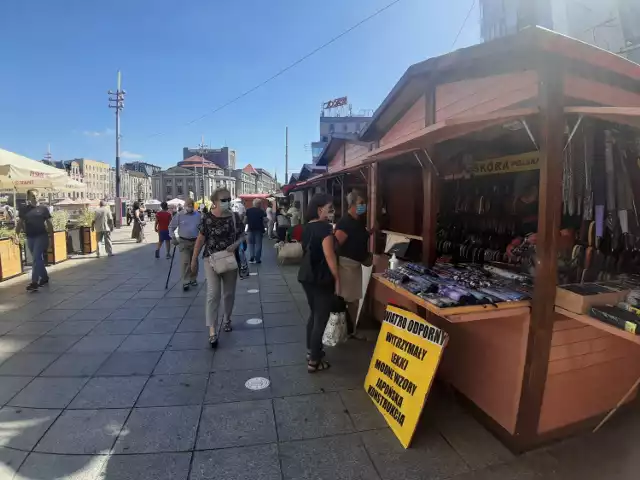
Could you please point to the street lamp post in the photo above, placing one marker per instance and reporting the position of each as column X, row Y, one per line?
column 116, row 101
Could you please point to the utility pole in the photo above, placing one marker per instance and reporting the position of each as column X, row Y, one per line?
column 286, row 156
column 201, row 148
column 116, row 101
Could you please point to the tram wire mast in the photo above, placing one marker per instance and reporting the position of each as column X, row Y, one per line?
column 116, row 101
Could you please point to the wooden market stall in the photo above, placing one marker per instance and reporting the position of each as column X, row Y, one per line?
column 533, row 371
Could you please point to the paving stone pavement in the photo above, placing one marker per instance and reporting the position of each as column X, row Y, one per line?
column 106, row 375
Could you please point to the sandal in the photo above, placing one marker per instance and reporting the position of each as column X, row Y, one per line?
column 226, row 326
column 213, row 340
column 322, row 354
column 313, row 367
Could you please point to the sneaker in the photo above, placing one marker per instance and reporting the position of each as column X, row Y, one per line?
column 111, row 255
column 259, row 261
column 252, row 261
column 43, row 282
column 32, row 287
column 157, row 253
column 194, row 283
column 168, row 256
column 185, row 287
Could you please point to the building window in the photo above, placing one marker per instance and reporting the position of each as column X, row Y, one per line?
column 332, row 128
column 168, row 190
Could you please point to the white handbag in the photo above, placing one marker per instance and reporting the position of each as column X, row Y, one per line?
column 336, row 331
column 289, row 251
column 223, row 262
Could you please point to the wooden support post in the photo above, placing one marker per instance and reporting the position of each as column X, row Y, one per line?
column 373, row 209
column 342, row 197
column 429, row 214
column 552, row 120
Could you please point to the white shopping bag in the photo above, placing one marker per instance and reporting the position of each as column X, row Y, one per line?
column 335, row 332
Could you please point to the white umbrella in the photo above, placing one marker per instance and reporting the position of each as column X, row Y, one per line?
column 19, row 174
column 176, row 202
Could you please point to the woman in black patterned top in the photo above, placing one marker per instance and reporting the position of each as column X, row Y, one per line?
column 220, row 230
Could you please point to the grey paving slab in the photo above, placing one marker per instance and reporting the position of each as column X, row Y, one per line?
column 247, row 308
column 275, row 297
column 540, row 465
column 322, row 415
column 75, row 365
column 245, row 463
column 171, row 390
column 83, row 432
column 71, row 327
column 129, row 363
column 157, row 325
column 294, row 380
column 7, row 325
column 184, row 361
column 175, row 302
column 98, row 344
column 239, row 322
column 430, row 456
column 95, row 315
column 52, row 344
column 193, row 324
column 236, row 424
column 27, row 364
column 159, row 429
column 242, row 338
column 229, row 386
column 158, row 466
column 48, row 392
column 150, row 342
column 239, row 358
column 140, row 302
column 9, row 386
column 287, row 354
column 274, row 290
column 55, row 315
column 189, row 341
column 168, row 312
column 10, row 461
column 106, row 303
column 115, row 327
column 14, row 343
column 338, row 458
column 121, row 295
column 45, row 466
column 109, row 392
column 72, row 303
column 150, row 294
column 282, row 319
column 363, row 413
column 132, row 313
column 21, row 428
column 289, row 334
column 34, row 328
column 281, row 307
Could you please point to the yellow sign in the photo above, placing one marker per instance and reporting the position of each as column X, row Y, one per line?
column 511, row 164
column 402, row 369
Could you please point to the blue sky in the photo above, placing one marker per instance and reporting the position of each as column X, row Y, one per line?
column 180, row 60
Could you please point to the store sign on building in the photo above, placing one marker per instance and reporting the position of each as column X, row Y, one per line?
column 510, row 164
column 404, row 364
column 335, row 103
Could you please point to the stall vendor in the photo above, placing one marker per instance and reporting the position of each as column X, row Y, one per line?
column 353, row 252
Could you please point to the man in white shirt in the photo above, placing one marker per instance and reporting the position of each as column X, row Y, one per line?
column 294, row 214
column 186, row 222
column 271, row 220
column 103, row 226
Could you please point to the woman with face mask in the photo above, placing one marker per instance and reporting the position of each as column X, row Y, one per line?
column 353, row 252
column 318, row 275
column 220, row 230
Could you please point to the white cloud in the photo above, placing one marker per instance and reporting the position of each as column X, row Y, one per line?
column 130, row 155
column 95, row 133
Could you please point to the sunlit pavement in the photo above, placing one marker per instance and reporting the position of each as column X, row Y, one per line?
column 106, row 375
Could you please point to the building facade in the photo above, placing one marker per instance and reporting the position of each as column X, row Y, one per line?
column 245, row 182
column 612, row 25
column 134, row 186
column 94, row 174
column 224, row 157
column 72, row 167
column 179, row 182
column 330, row 125
column 142, row 167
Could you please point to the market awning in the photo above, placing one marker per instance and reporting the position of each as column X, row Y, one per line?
column 623, row 115
column 446, row 130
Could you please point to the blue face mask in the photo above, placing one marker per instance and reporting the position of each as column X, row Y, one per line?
column 361, row 209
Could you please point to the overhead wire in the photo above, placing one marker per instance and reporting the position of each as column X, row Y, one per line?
column 464, row 23
column 289, row 67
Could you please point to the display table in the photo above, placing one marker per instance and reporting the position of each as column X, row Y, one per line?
column 484, row 359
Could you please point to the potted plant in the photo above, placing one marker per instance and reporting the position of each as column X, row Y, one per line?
column 10, row 258
column 89, row 239
column 58, row 240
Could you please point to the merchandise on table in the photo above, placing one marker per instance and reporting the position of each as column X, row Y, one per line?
column 446, row 285
column 617, row 317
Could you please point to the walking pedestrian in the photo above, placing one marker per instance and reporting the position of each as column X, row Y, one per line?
column 255, row 218
column 318, row 275
column 103, row 226
column 35, row 221
column 137, row 231
column 271, row 219
column 186, row 222
column 294, row 214
column 219, row 231
column 163, row 219
column 283, row 224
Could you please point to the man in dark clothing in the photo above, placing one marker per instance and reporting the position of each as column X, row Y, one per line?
column 254, row 219
column 35, row 221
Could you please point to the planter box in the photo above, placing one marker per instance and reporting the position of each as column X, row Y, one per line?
column 10, row 259
column 57, row 251
column 89, row 240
